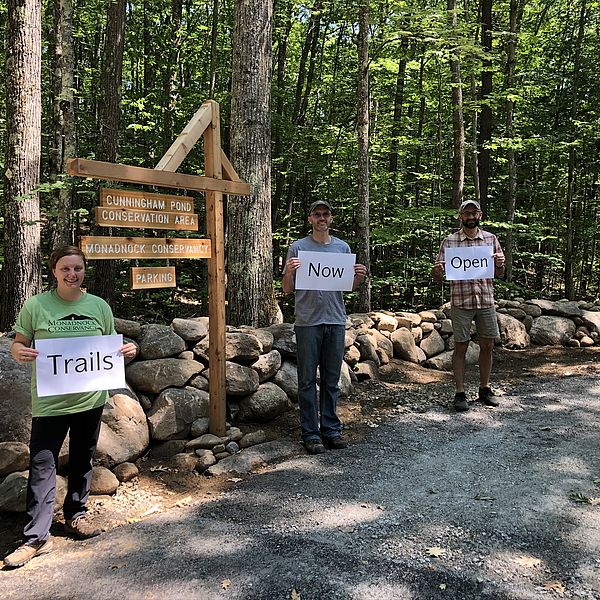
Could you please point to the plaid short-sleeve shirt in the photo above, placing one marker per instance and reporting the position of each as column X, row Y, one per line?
column 472, row 293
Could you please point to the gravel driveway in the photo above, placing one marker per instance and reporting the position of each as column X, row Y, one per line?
column 496, row 504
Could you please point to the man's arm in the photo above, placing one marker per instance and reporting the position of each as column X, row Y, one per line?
column 439, row 264
column 499, row 259
column 360, row 272
column 288, row 282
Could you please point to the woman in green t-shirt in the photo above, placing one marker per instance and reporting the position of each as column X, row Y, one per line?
column 64, row 311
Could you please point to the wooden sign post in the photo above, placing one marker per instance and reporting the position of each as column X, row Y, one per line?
column 220, row 179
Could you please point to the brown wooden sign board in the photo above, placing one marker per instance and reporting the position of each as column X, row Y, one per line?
column 143, row 278
column 137, row 200
column 145, row 219
column 99, row 247
column 115, row 172
column 220, row 179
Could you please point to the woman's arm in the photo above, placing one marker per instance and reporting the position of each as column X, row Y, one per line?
column 21, row 349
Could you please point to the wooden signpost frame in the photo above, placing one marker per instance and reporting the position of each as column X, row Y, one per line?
column 220, row 178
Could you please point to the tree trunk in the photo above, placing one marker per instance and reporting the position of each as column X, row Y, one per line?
column 570, row 206
column 420, row 125
column 214, row 36
column 303, row 87
column 109, row 122
column 397, row 123
column 363, row 301
column 516, row 12
column 485, row 121
column 250, row 293
column 21, row 273
column 278, row 134
column 474, row 162
column 458, row 127
column 64, row 119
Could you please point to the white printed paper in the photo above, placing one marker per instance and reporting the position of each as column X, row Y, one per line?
column 472, row 262
column 79, row 364
column 331, row 271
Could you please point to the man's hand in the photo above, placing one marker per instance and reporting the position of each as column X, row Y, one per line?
column 360, row 271
column 499, row 259
column 292, row 265
column 438, row 269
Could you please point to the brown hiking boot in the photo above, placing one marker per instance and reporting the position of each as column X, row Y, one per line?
column 83, row 527
column 314, row 447
column 336, row 443
column 23, row 554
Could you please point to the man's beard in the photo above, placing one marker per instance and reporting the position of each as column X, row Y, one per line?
column 471, row 223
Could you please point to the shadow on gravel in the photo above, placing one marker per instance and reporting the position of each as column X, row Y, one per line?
column 432, row 506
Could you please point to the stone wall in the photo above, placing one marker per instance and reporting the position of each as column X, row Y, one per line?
column 166, row 406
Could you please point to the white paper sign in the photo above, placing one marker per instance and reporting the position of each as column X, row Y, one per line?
column 79, row 364
column 473, row 262
column 331, row 271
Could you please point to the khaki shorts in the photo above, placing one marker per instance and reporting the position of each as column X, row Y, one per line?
column 485, row 321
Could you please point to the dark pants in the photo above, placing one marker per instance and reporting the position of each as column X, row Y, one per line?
column 47, row 437
column 319, row 346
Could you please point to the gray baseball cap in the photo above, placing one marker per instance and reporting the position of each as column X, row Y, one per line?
column 466, row 203
column 314, row 205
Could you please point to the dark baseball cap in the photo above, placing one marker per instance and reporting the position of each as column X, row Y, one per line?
column 466, row 203
column 314, row 205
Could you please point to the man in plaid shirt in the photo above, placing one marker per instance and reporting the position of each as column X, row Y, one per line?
column 472, row 299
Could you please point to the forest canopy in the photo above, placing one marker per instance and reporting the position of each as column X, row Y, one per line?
column 529, row 112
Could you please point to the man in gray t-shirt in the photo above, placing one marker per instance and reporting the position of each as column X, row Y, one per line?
column 320, row 332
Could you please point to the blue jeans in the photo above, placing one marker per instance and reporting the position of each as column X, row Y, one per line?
column 319, row 346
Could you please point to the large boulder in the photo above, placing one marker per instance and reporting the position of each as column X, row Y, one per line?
column 385, row 321
column 350, row 337
column 13, row 492
column 432, row 344
column 104, row 482
column 367, row 346
column 562, row 308
column 251, row 458
column 382, row 341
column 174, row 411
column 513, row 333
column 124, row 434
column 14, row 456
column 159, row 341
column 268, row 402
column 345, row 381
column 267, row 365
column 130, row 329
column 408, row 319
column 443, row 361
column 154, row 376
column 552, row 331
column 15, row 409
column 287, row 379
column 239, row 346
column 239, row 380
column 284, row 338
column 591, row 320
column 189, row 329
column 265, row 337
column 404, row 345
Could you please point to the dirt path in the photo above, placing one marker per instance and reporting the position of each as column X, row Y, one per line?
column 426, row 504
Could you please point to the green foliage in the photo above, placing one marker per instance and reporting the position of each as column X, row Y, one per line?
column 166, row 75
